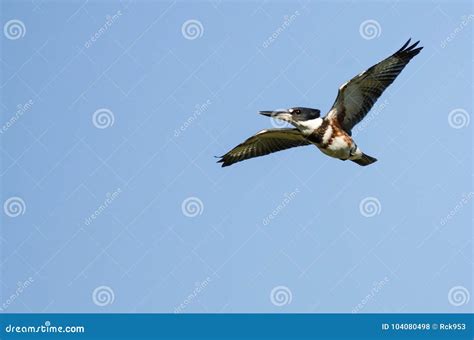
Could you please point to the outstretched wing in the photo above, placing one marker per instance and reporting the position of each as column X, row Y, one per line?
column 356, row 97
column 263, row 143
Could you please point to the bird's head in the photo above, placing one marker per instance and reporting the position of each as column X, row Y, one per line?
column 293, row 115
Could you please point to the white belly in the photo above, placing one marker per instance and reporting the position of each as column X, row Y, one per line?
column 339, row 148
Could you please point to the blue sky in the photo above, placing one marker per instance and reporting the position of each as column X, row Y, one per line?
column 112, row 113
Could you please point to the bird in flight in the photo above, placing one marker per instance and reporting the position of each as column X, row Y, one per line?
column 330, row 134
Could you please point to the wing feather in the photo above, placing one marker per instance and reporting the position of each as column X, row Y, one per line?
column 356, row 97
column 264, row 143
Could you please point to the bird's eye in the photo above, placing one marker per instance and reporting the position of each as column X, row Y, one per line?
column 297, row 112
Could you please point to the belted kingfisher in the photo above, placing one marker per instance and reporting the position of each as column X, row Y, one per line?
column 332, row 133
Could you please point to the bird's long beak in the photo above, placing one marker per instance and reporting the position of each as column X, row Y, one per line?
column 278, row 114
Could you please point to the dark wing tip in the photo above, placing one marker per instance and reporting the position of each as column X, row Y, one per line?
column 408, row 51
column 223, row 161
column 407, row 47
column 404, row 46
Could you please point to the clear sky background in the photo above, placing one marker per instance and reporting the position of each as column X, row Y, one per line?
column 123, row 123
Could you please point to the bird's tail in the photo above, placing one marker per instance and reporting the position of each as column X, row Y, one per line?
column 365, row 160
